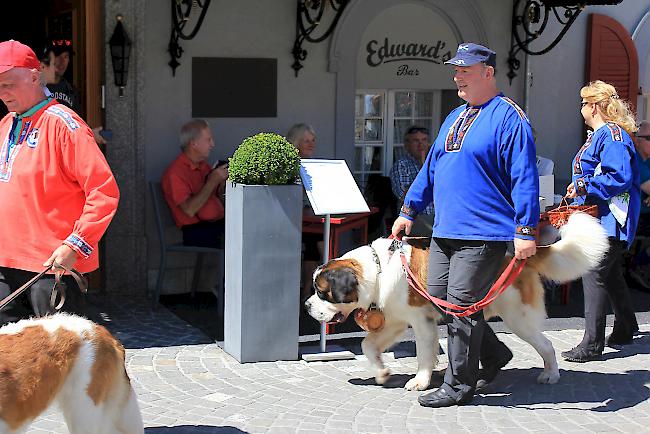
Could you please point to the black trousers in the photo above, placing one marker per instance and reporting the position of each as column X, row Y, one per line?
column 462, row 272
column 606, row 283
column 39, row 293
column 204, row 234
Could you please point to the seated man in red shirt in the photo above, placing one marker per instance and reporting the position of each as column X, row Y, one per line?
column 193, row 189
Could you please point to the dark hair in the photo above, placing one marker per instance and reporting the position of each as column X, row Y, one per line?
column 491, row 58
column 415, row 129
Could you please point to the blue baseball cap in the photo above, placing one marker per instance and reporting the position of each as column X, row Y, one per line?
column 469, row 54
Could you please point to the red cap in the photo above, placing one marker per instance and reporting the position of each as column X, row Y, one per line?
column 13, row 54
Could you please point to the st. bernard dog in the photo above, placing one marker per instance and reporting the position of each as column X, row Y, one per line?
column 71, row 361
column 372, row 275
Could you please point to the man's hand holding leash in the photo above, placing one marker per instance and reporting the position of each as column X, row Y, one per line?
column 524, row 248
column 401, row 224
column 64, row 256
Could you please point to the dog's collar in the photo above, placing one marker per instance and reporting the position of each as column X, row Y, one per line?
column 375, row 256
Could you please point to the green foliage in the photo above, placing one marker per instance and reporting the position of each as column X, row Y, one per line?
column 265, row 159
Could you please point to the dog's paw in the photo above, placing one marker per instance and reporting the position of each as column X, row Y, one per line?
column 382, row 376
column 416, row 383
column 548, row 377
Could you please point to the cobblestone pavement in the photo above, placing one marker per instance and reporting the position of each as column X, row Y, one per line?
column 187, row 384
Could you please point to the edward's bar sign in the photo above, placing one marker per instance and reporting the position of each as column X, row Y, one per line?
column 387, row 53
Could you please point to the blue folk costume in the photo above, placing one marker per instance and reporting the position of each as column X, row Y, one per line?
column 605, row 173
column 483, row 167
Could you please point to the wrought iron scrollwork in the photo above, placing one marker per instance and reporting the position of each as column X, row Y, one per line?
column 529, row 21
column 310, row 16
column 181, row 16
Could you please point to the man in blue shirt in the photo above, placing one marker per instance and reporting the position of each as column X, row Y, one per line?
column 481, row 175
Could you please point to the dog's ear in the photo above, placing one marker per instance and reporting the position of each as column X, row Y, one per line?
column 341, row 285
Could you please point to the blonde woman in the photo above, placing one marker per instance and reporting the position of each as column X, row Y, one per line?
column 303, row 137
column 605, row 173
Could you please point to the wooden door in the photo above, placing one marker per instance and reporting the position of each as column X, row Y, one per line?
column 612, row 56
column 94, row 66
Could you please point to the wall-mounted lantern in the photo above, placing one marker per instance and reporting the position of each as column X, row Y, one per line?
column 120, row 50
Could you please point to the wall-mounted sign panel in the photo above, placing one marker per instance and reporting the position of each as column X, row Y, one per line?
column 406, row 46
column 224, row 87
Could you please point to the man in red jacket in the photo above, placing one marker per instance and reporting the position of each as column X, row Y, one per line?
column 57, row 190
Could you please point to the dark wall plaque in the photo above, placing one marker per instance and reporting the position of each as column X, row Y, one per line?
column 225, row 87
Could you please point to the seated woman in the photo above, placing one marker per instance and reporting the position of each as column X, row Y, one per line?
column 303, row 137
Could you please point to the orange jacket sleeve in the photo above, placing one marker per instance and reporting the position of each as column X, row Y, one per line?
column 82, row 162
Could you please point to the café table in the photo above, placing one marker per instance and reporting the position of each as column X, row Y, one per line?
column 339, row 224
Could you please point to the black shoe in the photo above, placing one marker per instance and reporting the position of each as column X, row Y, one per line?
column 619, row 337
column 581, row 355
column 488, row 373
column 439, row 398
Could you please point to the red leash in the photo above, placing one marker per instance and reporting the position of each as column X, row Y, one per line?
column 512, row 271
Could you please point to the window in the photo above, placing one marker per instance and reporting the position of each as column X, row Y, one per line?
column 369, row 135
column 412, row 108
column 381, row 119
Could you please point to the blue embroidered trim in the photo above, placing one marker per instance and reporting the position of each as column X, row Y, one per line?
column 616, row 131
column 577, row 164
column 581, row 187
column 526, row 231
column 79, row 245
column 520, row 112
column 409, row 212
column 458, row 131
column 21, row 131
column 65, row 116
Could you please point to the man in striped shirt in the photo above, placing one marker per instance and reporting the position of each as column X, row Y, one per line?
column 404, row 171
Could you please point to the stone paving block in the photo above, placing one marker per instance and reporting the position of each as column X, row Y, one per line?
column 281, row 430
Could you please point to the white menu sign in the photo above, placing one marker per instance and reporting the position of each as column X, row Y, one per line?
column 331, row 188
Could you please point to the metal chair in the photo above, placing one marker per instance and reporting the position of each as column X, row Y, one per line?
column 163, row 220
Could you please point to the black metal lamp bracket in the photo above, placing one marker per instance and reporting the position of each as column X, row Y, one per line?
column 529, row 21
column 181, row 16
column 309, row 17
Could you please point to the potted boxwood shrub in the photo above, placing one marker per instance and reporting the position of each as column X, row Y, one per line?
column 262, row 250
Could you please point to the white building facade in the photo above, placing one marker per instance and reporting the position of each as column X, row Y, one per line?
column 380, row 71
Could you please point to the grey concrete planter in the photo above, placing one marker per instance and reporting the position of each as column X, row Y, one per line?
column 262, row 271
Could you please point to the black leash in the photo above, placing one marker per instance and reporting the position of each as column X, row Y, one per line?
column 58, row 290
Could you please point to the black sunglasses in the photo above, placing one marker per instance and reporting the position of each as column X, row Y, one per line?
column 583, row 103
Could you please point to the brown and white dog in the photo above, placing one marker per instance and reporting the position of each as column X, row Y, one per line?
column 71, row 361
column 373, row 275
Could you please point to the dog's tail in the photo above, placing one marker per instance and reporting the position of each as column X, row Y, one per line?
column 582, row 247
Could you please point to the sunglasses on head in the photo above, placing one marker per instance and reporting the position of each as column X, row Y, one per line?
column 414, row 130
